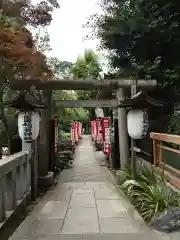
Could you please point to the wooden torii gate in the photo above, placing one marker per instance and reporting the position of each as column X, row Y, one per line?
column 114, row 84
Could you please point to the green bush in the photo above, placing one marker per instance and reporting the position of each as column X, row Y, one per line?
column 65, row 141
column 65, row 154
column 173, row 127
column 63, row 161
column 64, row 135
column 149, row 193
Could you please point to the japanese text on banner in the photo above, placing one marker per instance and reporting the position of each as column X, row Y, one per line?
column 106, row 135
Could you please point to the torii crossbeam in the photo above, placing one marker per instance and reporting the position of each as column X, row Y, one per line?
column 81, row 84
column 87, row 103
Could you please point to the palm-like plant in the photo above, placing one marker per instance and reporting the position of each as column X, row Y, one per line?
column 150, row 194
column 143, row 174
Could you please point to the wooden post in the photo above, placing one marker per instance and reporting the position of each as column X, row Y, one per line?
column 34, row 161
column 44, row 134
column 157, row 152
column 45, row 177
column 116, row 150
column 52, row 146
column 122, row 128
column 133, row 153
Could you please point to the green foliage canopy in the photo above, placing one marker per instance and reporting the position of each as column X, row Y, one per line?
column 142, row 37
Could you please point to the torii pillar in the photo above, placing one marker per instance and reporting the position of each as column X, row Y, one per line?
column 46, row 177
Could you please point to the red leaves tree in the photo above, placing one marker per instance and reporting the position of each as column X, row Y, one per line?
column 17, row 48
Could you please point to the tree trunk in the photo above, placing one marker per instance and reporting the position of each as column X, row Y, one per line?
column 4, row 120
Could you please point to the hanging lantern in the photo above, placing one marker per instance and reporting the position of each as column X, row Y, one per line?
column 28, row 126
column 137, row 123
column 28, row 118
column 99, row 112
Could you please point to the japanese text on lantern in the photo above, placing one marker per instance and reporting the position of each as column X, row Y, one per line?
column 27, row 128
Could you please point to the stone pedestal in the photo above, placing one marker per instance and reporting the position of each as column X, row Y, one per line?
column 47, row 180
column 119, row 177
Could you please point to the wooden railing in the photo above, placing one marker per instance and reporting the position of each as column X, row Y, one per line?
column 14, row 183
column 161, row 144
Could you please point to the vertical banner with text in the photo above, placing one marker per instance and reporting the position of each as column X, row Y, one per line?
column 76, row 131
column 93, row 129
column 56, row 133
column 99, row 131
column 106, row 135
column 73, row 126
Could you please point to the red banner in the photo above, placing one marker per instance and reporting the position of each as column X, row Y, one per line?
column 106, row 135
column 76, row 131
column 93, row 128
column 56, row 133
column 73, row 126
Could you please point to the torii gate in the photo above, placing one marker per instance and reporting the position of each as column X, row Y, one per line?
column 113, row 84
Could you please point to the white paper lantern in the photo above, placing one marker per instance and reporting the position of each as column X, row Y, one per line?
column 28, row 126
column 137, row 124
column 99, row 112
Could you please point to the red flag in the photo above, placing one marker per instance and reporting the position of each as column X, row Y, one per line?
column 106, row 135
column 56, row 124
column 76, row 131
column 73, row 126
column 93, row 128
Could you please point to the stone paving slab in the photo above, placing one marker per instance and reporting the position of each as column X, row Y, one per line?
column 118, row 225
column 81, row 220
column 82, row 200
column 47, row 227
column 54, row 210
column 84, row 205
column 111, row 209
column 59, row 194
column 122, row 236
column 83, row 190
column 105, row 193
column 126, row 236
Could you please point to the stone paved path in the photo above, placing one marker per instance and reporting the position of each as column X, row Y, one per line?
column 83, row 206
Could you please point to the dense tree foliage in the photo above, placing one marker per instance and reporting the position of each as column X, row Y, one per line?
column 61, row 69
column 87, row 66
column 18, row 49
column 141, row 36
